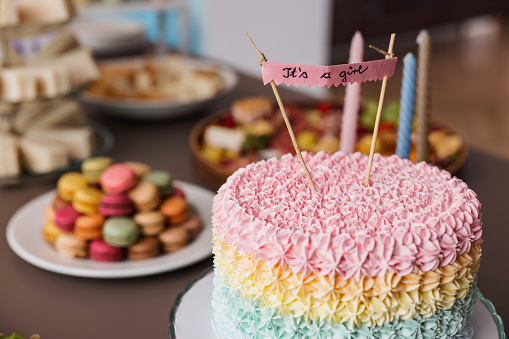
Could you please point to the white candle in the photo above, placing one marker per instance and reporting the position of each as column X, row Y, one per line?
column 422, row 98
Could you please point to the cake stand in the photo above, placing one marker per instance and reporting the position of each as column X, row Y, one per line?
column 102, row 137
column 191, row 314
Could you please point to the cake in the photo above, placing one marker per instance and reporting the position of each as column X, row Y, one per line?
column 396, row 259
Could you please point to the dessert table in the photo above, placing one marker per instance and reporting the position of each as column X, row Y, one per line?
column 55, row 306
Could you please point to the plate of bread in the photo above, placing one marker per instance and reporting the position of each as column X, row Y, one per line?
column 150, row 88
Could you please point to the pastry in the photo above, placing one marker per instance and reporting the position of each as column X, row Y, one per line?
column 86, row 200
column 76, row 141
column 65, row 218
column 145, row 196
column 145, row 248
column 92, row 168
column 42, row 156
column 8, row 13
column 69, row 245
column 79, row 65
column 89, row 227
column 117, row 178
column 47, row 12
column 150, row 222
column 63, row 42
column 49, row 114
column 9, row 159
column 139, row 168
column 248, row 110
column 120, row 231
column 101, row 251
column 115, row 205
column 172, row 79
column 162, row 180
column 175, row 209
column 174, row 239
column 70, row 183
column 396, row 259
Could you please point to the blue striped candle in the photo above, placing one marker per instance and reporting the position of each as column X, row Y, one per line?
column 406, row 107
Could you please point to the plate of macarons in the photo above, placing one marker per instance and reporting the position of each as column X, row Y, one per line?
column 114, row 220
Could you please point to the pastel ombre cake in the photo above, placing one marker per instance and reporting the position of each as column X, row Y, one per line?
column 397, row 259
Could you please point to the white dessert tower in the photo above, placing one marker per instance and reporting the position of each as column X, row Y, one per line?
column 42, row 68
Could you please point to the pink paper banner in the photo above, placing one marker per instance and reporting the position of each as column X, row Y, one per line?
column 328, row 75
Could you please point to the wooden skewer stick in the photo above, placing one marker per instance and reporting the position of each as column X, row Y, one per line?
column 388, row 55
column 285, row 117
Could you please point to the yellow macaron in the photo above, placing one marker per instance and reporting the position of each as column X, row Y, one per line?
column 70, row 183
column 51, row 231
column 86, row 200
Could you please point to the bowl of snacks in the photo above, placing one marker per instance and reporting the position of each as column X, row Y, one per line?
column 253, row 129
column 157, row 88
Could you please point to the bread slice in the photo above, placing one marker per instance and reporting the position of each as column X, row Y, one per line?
column 42, row 156
column 9, row 159
column 8, row 13
column 77, row 141
column 64, row 42
column 45, row 12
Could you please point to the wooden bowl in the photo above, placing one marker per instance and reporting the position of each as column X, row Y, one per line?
column 215, row 175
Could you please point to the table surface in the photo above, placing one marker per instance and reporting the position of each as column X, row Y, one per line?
column 56, row 306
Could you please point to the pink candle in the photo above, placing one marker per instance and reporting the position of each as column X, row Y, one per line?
column 352, row 99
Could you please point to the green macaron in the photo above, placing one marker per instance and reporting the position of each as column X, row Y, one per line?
column 163, row 181
column 120, row 231
column 93, row 167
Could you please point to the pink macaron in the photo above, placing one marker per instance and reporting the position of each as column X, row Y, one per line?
column 115, row 205
column 118, row 178
column 65, row 217
column 100, row 251
column 177, row 192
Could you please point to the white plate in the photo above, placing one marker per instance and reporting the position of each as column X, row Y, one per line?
column 24, row 235
column 109, row 37
column 160, row 109
column 191, row 316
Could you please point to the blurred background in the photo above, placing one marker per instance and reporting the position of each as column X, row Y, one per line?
column 156, row 82
column 470, row 45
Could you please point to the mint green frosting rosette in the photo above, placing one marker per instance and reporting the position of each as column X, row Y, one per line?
column 235, row 317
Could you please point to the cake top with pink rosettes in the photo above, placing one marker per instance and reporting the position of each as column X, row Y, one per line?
column 409, row 218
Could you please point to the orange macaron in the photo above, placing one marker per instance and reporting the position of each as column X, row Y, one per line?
column 175, row 209
column 89, row 227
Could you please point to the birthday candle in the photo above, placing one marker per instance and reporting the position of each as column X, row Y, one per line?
column 406, row 106
column 422, row 100
column 352, row 99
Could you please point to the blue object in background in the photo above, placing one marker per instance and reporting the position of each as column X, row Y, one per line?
column 195, row 21
column 406, row 110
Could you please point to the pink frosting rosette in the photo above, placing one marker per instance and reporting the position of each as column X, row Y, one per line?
column 410, row 218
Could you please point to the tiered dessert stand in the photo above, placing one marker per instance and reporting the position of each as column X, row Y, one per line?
column 7, row 116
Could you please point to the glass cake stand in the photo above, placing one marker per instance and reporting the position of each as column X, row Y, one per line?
column 191, row 314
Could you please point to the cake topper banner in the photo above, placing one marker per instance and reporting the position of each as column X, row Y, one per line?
column 328, row 75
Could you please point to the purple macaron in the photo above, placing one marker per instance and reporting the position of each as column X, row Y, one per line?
column 115, row 205
column 65, row 217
